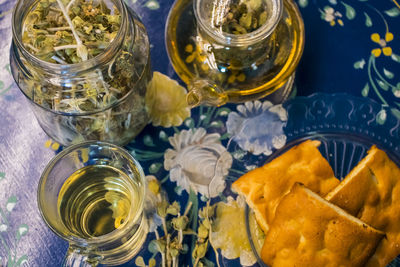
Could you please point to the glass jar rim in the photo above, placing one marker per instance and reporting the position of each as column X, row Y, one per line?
column 230, row 39
column 113, row 235
column 83, row 66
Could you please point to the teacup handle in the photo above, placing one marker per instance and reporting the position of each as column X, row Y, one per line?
column 77, row 257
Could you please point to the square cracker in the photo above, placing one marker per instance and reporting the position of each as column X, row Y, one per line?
column 371, row 192
column 264, row 187
column 310, row 231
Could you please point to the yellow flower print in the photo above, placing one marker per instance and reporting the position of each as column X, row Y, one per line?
column 376, row 38
column 332, row 16
column 166, row 101
column 52, row 144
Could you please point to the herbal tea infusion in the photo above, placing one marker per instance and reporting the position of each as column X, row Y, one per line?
column 92, row 195
column 85, row 66
column 235, row 50
column 96, row 200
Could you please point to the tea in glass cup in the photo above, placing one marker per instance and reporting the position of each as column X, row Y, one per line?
column 92, row 195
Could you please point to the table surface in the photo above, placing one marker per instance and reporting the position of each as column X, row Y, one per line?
column 343, row 54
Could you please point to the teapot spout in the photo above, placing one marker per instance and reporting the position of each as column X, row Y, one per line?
column 204, row 92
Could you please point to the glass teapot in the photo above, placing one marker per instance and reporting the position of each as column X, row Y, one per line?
column 235, row 50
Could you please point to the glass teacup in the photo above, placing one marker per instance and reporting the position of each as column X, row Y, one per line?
column 92, row 195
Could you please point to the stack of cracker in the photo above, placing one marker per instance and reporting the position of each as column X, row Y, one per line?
column 312, row 219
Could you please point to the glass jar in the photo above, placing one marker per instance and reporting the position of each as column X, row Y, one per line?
column 220, row 66
column 102, row 98
column 235, row 51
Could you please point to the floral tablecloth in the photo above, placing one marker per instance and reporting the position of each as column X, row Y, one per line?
column 352, row 53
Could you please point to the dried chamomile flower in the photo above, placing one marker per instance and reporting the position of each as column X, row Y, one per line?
column 69, row 31
column 242, row 16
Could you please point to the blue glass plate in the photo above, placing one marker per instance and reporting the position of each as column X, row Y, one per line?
column 347, row 127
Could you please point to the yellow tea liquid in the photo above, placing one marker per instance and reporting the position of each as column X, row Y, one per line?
column 96, row 200
column 193, row 55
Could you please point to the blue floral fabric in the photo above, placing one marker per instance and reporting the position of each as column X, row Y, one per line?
column 351, row 60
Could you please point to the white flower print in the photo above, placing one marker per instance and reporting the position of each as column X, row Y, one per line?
column 198, row 161
column 258, row 127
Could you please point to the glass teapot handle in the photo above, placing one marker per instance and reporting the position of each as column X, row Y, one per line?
column 205, row 92
column 77, row 257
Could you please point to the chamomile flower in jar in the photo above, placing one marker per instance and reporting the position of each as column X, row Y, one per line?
column 84, row 65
